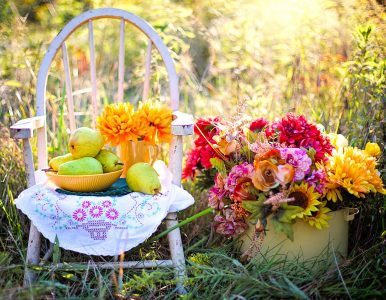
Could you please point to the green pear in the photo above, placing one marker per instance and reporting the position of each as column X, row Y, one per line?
column 142, row 177
column 109, row 160
column 57, row 161
column 85, row 142
column 81, row 166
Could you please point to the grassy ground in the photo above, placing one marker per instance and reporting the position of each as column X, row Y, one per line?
column 325, row 59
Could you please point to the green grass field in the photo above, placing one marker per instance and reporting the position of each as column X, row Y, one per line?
column 322, row 58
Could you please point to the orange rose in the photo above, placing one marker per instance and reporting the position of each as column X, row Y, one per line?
column 286, row 173
column 265, row 175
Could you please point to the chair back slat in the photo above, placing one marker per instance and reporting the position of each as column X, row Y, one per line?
column 146, row 84
column 121, row 60
column 87, row 19
column 94, row 98
column 70, row 98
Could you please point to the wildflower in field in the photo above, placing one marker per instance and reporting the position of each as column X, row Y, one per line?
column 373, row 149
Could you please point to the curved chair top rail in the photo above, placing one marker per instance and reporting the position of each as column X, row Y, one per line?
column 98, row 14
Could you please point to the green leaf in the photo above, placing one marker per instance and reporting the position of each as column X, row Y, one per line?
column 311, row 153
column 286, row 228
column 219, row 165
column 251, row 206
column 252, row 136
column 287, row 212
column 256, row 208
column 56, row 252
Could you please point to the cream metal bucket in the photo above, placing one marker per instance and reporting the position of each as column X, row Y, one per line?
column 309, row 242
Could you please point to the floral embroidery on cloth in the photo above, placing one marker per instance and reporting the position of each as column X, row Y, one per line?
column 99, row 225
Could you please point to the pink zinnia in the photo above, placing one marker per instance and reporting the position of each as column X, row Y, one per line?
column 217, row 193
column 317, row 179
column 299, row 159
column 239, row 171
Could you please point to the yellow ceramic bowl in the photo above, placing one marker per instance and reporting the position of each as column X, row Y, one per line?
column 84, row 183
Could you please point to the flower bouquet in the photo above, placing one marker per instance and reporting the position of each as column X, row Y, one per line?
column 137, row 132
column 288, row 171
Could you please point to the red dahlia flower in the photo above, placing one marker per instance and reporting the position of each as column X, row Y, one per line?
column 296, row 131
column 258, row 124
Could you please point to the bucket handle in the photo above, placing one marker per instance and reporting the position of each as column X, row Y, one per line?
column 349, row 213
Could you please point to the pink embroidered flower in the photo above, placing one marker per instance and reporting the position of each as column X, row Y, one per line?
column 106, row 203
column 96, row 211
column 79, row 215
column 299, row 159
column 86, row 204
column 112, row 214
column 229, row 224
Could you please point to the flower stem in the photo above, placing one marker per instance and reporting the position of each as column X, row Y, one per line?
column 182, row 223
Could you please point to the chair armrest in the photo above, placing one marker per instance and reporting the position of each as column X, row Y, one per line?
column 182, row 124
column 23, row 129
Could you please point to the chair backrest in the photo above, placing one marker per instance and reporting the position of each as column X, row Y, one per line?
column 59, row 43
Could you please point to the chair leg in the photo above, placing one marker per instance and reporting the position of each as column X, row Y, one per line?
column 176, row 251
column 33, row 253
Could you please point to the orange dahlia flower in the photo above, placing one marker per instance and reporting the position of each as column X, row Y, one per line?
column 119, row 123
column 158, row 118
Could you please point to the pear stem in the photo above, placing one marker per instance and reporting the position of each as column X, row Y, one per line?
column 182, row 223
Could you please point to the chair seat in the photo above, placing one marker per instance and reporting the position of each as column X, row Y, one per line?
column 106, row 225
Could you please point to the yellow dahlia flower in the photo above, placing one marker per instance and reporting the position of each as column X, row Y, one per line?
column 355, row 170
column 305, row 197
column 159, row 118
column 119, row 123
column 373, row 149
column 319, row 218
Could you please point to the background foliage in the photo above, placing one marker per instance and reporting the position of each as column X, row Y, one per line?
column 322, row 58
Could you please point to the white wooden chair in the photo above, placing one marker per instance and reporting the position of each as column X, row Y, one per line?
column 181, row 126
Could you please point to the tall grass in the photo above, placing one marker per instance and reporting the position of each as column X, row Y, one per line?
column 310, row 57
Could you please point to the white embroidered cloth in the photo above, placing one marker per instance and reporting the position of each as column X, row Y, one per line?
column 101, row 225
